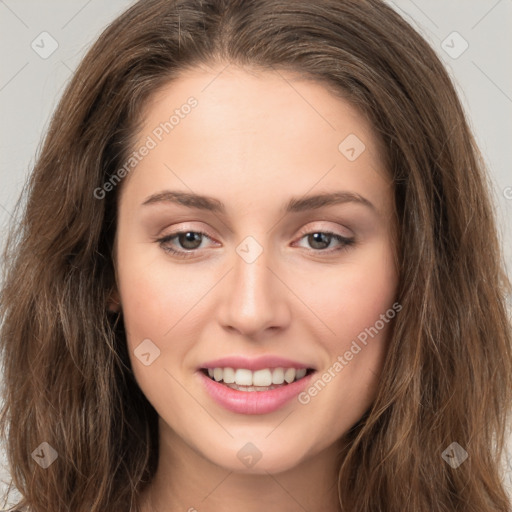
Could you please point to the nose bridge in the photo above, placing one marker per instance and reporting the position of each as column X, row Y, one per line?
column 255, row 301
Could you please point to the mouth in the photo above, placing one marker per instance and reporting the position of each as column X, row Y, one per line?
column 254, row 385
column 265, row 379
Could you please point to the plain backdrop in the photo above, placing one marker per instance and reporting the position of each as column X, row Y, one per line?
column 41, row 44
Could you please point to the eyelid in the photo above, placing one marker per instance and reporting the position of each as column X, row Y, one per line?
column 324, row 229
column 304, row 231
column 185, row 229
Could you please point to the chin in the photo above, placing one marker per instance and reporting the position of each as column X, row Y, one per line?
column 258, row 458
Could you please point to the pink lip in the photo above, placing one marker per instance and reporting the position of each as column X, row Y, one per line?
column 253, row 364
column 253, row 402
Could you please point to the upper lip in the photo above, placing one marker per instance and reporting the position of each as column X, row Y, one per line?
column 255, row 363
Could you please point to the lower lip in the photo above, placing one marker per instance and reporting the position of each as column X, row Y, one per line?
column 253, row 402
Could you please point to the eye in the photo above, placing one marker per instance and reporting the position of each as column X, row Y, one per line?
column 188, row 240
column 321, row 240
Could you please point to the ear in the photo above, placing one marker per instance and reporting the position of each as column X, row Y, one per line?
column 114, row 302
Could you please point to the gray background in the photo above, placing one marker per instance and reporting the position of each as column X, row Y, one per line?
column 31, row 81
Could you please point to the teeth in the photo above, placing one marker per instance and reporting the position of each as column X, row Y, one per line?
column 228, row 376
column 300, row 373
column 250, row 388
column 265, row 378
column 262, row 378
column 242, row 377
column 289, row 375
column 278, row 376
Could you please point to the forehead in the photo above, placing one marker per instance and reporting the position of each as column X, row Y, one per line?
column 237, row 99
column 254, row 131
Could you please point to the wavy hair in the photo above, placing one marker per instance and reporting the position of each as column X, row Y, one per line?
column 67, row 379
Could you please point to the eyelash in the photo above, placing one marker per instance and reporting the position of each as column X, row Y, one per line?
column 345, row 243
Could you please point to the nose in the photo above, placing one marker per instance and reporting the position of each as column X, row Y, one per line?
column 255, row 300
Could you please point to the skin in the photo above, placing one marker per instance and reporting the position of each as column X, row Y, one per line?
column 255, row 139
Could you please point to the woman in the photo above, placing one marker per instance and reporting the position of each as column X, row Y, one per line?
column 257, row 267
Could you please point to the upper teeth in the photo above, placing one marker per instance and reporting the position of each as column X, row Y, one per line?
column 265, row 377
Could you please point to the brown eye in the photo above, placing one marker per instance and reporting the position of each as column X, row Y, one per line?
column 321, row 240
column 182, row 243
column 190, row 240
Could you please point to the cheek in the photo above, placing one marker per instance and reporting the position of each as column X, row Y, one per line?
column 357, row 292
column 358, row 307
column 151, row 309
column 146, row 297
column 160, row 303
column 143, row 304
column 154, row 295
column 366, row 295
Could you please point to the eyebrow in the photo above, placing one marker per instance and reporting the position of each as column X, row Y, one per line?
column 294, row 205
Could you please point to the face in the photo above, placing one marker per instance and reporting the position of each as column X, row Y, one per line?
column 254, row 258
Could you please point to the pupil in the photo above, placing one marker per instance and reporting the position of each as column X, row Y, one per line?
column 190, row 237
column 316, row 238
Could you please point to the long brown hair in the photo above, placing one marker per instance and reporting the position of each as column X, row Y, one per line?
column 448, row 372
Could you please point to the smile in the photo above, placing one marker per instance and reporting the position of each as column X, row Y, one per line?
column 265, row 379
column 254, row 385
